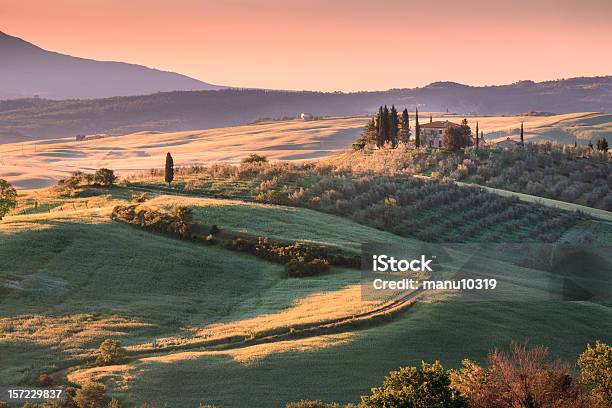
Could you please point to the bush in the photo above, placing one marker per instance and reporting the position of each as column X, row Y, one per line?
column 110, row 352
column 114, row 403
column 176, row 224
column 45, row 380
column 301, row 268
column 412, row 387
column 359, row 144
column 596, row 371
column 105, row 177
column 92, row 395
column 139, row 198
column 254, row 158
column 523, row 378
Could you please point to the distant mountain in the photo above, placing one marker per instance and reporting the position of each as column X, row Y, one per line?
column 27, row 71
column 26, row 119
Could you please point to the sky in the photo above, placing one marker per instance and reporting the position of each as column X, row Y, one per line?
column 332, row 45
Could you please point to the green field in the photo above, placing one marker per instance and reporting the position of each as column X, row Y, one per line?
column 94, row 279
column 445, row 331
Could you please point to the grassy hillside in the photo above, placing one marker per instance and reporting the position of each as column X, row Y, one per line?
column 342, row 368
column 281, row 222
column 95, row 279
column 147, row 288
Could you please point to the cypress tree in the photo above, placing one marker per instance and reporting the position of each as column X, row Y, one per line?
column 522, row 139
column 169, row 176
column 369, row 134
column 404, row 135
column 393, row 122
column 430, row 119
column 385, row 125
column 477, row 135
column 417, row 129
column 380, row 141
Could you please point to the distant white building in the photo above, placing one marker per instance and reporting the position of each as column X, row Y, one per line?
column 307, row 116
column 507, row 144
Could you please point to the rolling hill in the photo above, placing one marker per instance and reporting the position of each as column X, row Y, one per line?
column 28, row 119
column 149, row 290
column 27, row 71
column 41, row 163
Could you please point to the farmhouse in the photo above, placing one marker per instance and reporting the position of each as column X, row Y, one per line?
column 432, row 133
column 508, row 144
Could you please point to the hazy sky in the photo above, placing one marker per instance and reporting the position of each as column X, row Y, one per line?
column 329, row 45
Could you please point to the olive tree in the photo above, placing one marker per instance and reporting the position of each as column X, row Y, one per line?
column 8, row 198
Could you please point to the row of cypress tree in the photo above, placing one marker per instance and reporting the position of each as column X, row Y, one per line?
column 388, row 128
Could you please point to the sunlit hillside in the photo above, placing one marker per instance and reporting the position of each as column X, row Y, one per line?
column 41, row 163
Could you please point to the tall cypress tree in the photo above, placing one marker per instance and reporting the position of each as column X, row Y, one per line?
column 393, row 123
column 417, row 129
column 404, row 135
column 169, row 176
column 522, row 139
column 380, row 140
column 476, row 135
column 384, row 120
column 430, row 119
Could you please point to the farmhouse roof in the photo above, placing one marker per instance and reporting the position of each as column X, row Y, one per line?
column 439, row 124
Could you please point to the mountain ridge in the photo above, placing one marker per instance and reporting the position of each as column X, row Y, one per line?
column 27, row 70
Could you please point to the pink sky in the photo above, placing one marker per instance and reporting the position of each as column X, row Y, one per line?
column 329, row 45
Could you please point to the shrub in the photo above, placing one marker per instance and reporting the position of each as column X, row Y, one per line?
column 177, row 223
column 91, row 395
column 182, row 214
column 359, row 144
column 297, row 268
column 45, row 380
column 110, row 352
column 436, row 176
column 412, row 387
column 139, row 198
column 114, row 403
column 523, row 378
column 254, row 158
column 596, row 371
column 105, row 177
